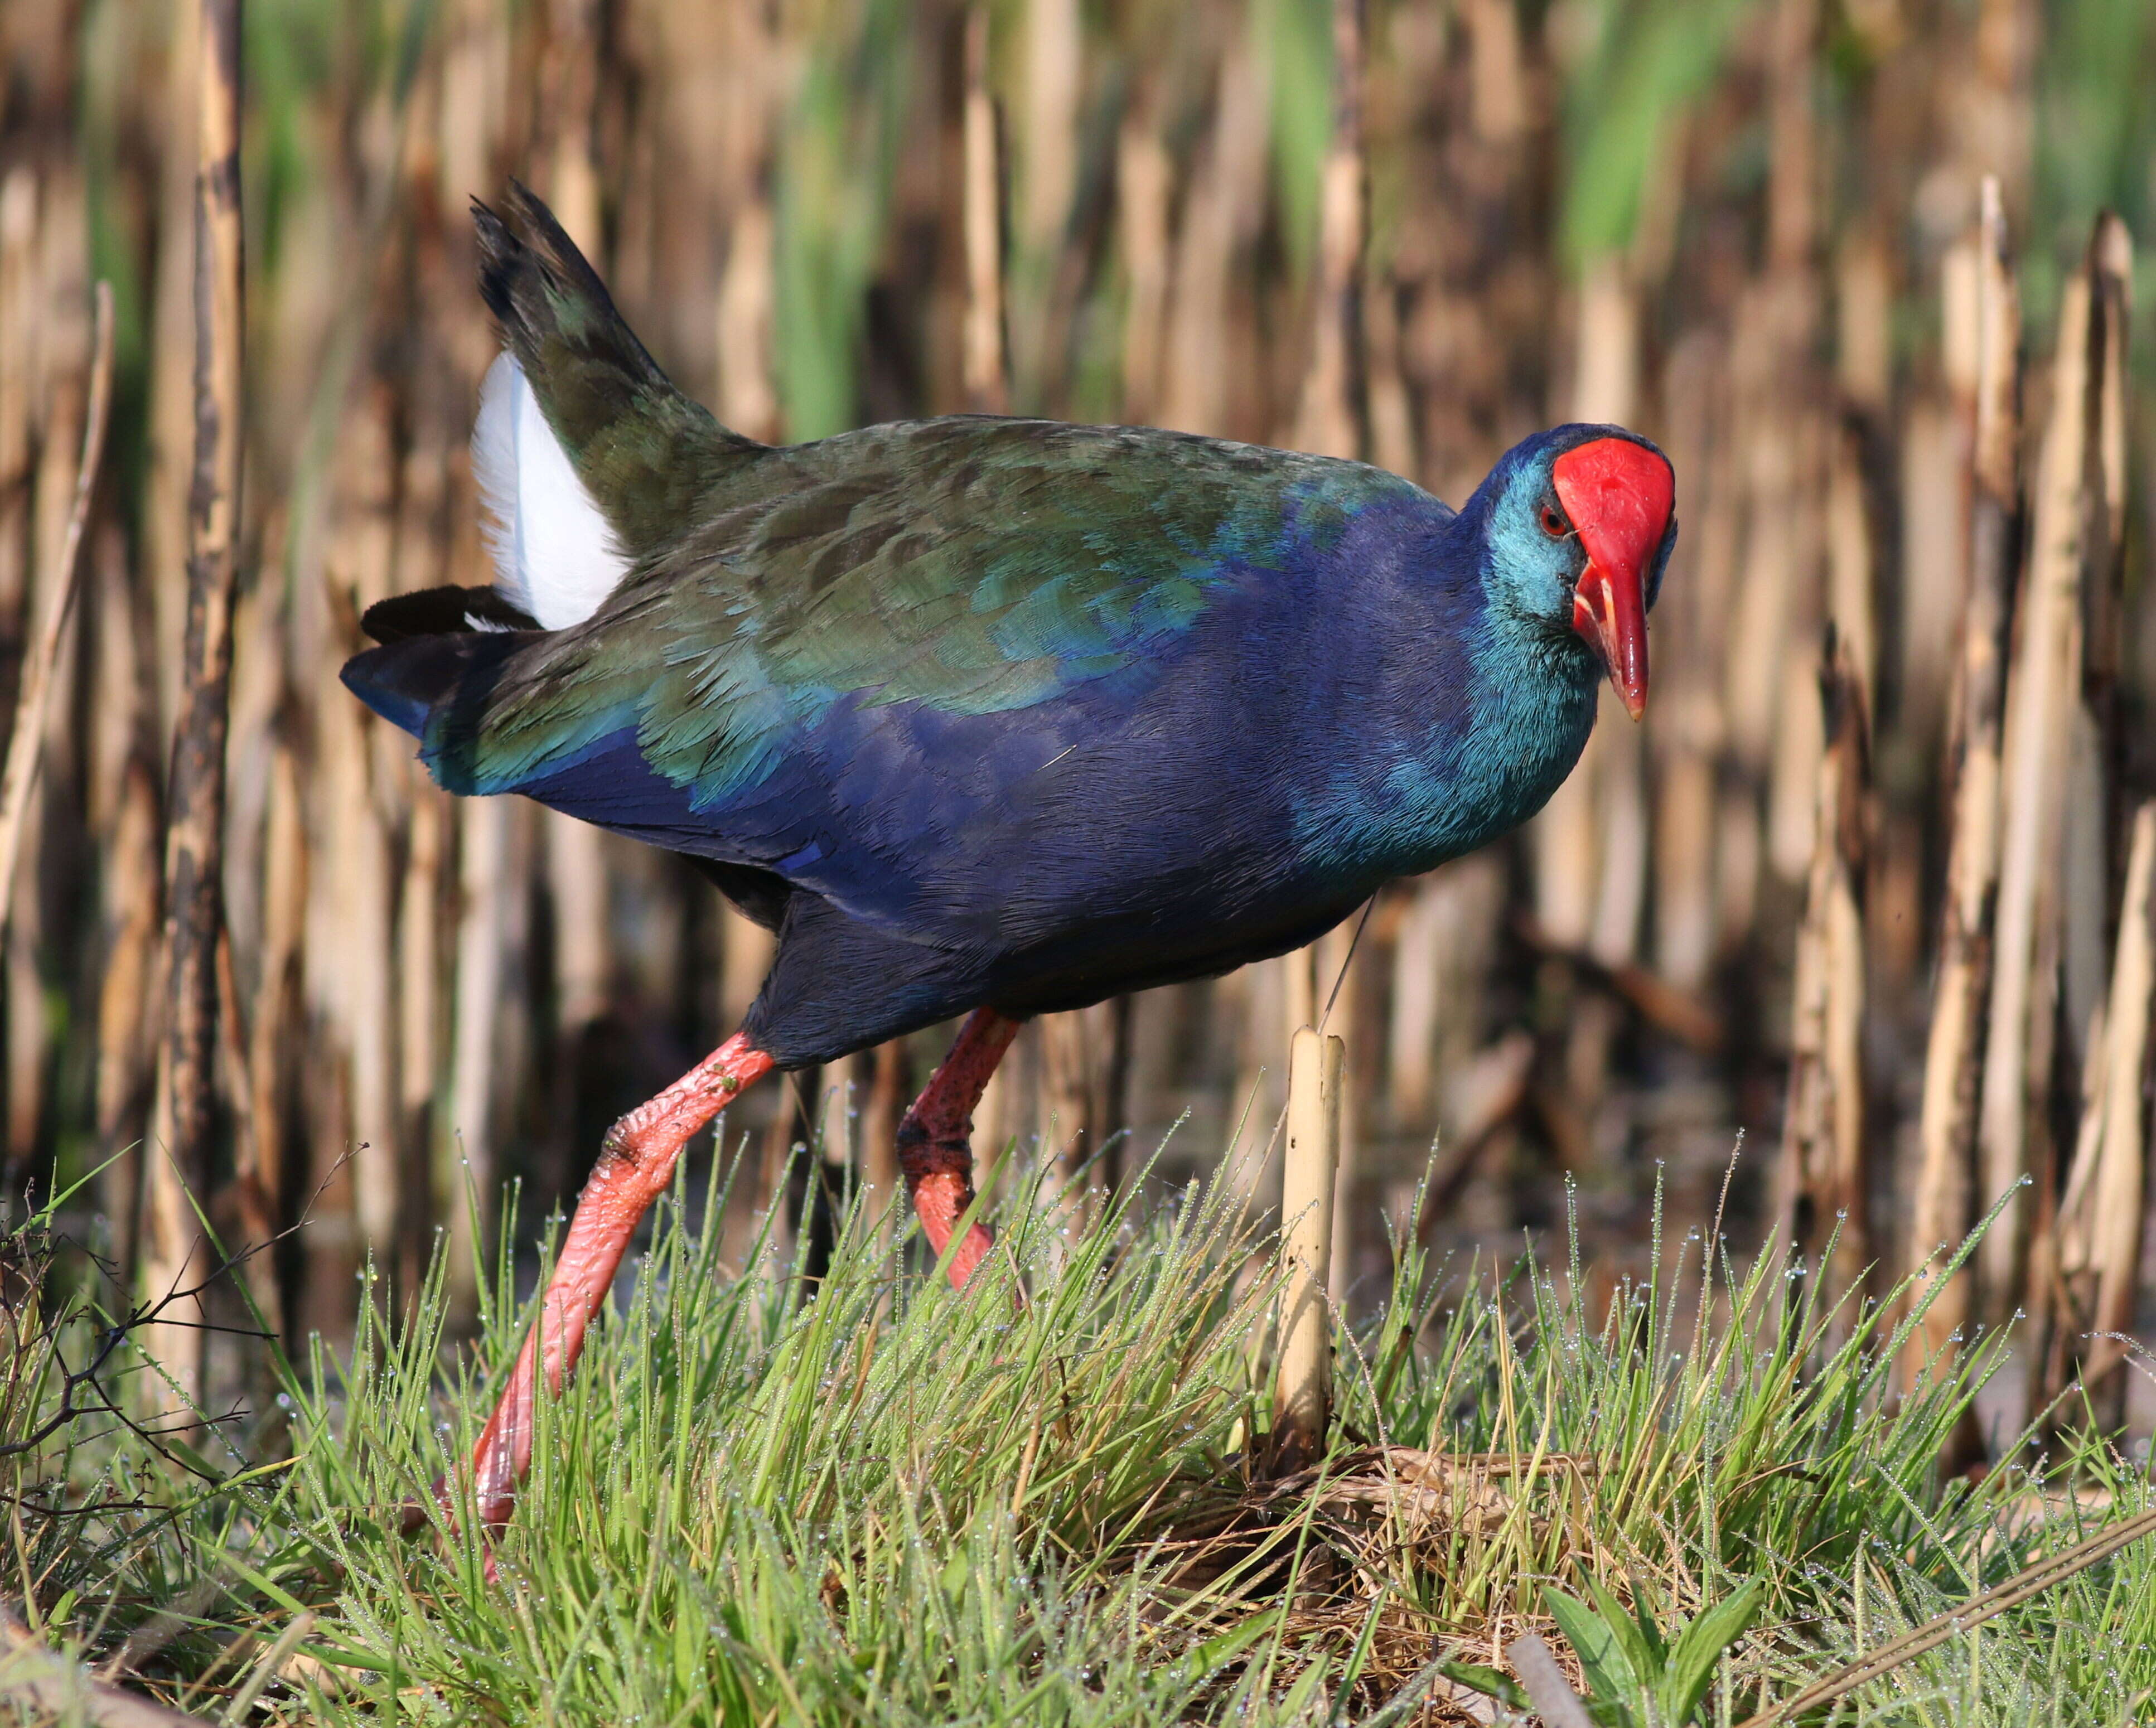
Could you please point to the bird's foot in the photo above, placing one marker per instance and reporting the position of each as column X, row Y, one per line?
column 939, row 1175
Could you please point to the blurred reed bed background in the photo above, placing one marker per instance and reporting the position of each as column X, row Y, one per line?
column 1867, row 886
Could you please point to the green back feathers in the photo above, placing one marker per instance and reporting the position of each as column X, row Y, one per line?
column 975, row 565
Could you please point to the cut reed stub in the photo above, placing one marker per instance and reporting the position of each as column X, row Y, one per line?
column 1302, row 1396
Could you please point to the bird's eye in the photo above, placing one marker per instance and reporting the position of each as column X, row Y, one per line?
column 1554, row 525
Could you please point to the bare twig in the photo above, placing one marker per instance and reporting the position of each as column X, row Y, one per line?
column 82, row 1391
column 26, row 743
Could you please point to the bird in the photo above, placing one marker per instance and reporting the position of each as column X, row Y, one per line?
column 983, row 717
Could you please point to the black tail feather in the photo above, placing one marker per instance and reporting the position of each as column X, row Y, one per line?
column 644, row 451
column 443, row 612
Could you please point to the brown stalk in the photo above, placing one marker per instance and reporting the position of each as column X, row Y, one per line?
column 986, row 379
column 481, row 963
column 1145, row 182
column 25, row 741
column 1824, row 1179
column 575, row 852
column 194, row 834
column 2074, row 1258
column 1330, row 421
column 1943, row 1207
column 1221, row 202
column 1310, row 1166
column 2098, row 1253
column 2043, row 698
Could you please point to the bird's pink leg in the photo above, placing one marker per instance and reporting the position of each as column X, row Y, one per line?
column 636, row 1161
column 935, row 1139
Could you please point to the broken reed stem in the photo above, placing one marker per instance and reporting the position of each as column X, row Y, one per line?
column 2030, row 1582
column 26, row 743
column 2121, row 1182
column 2098, row 1250
column 1330, row 423
column 194, row 834
column 2043, row 697
column 1302, row 1397
column 2074, row 1269
column 987, row 390
column 1943, row 1206
column 1826, row 1180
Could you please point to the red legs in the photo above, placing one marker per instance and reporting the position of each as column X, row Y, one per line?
column 636, row 1161
column 935, row 1139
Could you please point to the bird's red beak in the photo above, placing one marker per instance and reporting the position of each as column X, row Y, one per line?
column 1617, row 494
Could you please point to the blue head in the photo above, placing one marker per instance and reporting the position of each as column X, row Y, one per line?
column 1576, row 525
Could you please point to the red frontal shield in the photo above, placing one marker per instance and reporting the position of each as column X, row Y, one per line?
column 1619, row 496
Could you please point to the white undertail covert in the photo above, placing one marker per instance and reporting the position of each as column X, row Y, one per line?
column 554, row 553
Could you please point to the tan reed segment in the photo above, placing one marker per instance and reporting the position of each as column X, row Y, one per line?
column 1943, row 1207
column 2043, row 698
column 1330, row 421
column 194, row 832
column 1825, row 1181
column 2098, row 1254
column 2069, row 1253
column 987, row 379
column 1302, row 1397
column 26, row 742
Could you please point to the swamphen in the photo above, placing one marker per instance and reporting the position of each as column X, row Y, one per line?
column 983, row 716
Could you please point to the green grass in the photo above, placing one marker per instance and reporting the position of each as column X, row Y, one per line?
column 880, row 1502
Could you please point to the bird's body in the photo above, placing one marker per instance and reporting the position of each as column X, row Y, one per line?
column 1009, row 712
column 984, row 716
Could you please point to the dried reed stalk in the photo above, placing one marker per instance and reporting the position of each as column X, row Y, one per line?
column 26, row 740
column 485, row 889
column 1302, row 1393
column 278, row 1003
column 575, row 852
column 2098, row 1252
column 2043, row 697
column 1943, row 1206
column 1145, row 184
column 21, row 319
column 2065, row 1268
column 1825, row 1182
column 194, row 834
column 1221, row 200
column 1330, row 421
column 987, row 383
